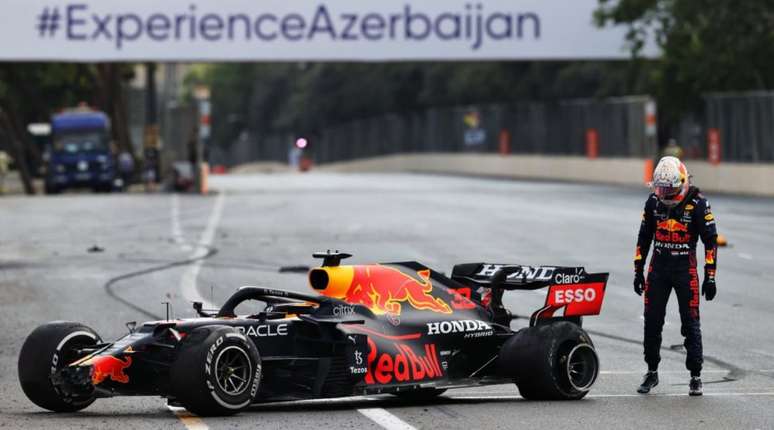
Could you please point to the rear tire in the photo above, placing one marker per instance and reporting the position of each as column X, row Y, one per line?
column 217, row 372
column 554, row 361
column 48, row 348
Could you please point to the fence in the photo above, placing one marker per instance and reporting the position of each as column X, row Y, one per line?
column 558, row 128
column 744, row 123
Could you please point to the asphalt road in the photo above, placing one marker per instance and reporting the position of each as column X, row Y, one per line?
column 160, row 247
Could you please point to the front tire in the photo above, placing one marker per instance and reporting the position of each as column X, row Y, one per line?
column 555, row 361
column 47, row 349
column 217, row 372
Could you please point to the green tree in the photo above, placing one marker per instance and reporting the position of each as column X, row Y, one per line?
column 707, row 45
column 307, row 97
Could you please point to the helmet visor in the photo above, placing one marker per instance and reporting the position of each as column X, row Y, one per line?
column 666, row 192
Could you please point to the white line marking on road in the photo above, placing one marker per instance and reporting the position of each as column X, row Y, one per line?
column 613, row 396
column 385, row 419
column 189, row 420
column 642, row 372
column 745, row 256
column 177, row 229
column 188, row 281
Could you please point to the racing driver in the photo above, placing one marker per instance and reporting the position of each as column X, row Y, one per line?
column 676, row 215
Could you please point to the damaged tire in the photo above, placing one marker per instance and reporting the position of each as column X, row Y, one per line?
column 47, row 349
column 555, row 361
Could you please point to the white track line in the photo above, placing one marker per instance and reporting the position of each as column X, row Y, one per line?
column 177, row 230
column 385, row 419
column 188, row 281
column 642, row 372
column 606, row 396
column 190, row 421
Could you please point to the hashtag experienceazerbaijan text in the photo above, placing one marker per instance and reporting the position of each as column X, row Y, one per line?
column 471, row 24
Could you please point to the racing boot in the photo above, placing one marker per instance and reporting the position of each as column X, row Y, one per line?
column 695, row 387
column 649, row 381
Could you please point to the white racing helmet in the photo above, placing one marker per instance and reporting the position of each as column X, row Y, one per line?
column 671, row 181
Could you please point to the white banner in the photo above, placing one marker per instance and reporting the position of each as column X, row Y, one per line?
column 308, row 30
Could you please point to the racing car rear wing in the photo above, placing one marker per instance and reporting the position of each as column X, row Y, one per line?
column 570, row 289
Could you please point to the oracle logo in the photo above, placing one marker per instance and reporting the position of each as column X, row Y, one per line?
column 564, row 297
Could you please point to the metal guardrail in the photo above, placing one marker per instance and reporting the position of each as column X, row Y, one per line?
column 557, row 128
column 741, row 124
column 745, row 123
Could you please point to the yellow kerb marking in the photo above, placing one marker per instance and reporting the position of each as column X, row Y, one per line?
column 189, row 420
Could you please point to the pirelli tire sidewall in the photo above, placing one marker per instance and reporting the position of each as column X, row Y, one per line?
column 535, row 358
column 194, row 374
column 47, row 349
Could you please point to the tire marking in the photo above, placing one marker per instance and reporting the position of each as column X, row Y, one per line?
column 189, row 420
column 385, row 419
column 188, row 281
column 761, row 352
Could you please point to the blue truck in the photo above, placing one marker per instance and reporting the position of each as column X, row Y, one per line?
column 80, row 155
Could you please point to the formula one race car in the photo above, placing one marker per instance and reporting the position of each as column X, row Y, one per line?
column 397, row 328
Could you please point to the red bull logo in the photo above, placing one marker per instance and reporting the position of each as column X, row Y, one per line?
column 403, row 365
column 672, row 231
column 673, row 226
column 108, row 367
column 383, row 289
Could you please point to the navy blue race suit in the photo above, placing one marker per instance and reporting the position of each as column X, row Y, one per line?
column 674, row 232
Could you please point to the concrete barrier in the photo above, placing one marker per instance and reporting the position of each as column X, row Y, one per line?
column 736, row 178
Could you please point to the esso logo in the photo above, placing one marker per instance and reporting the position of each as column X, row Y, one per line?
column 564, row 297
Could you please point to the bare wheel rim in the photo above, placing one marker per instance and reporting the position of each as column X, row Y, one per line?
column 232, row 370
column 582, row 367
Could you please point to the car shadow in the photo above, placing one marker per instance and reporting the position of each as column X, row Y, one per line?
column 384, row 402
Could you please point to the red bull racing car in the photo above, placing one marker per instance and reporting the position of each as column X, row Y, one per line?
column 398, row 328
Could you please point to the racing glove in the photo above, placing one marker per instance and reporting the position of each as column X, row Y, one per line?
column 639, row 280
column 708, row 287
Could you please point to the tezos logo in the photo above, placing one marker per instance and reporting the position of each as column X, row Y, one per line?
column 359, row 368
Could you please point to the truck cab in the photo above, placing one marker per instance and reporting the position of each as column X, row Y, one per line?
column 80, row 155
